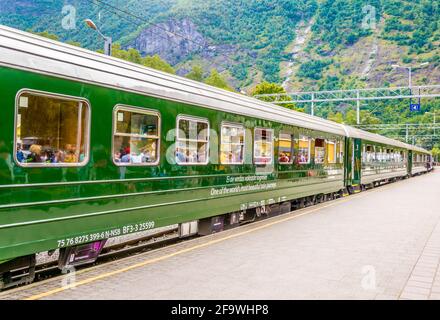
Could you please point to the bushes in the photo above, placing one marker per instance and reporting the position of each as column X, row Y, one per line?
column 313, row 69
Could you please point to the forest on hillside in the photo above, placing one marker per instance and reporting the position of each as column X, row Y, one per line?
column 260, row 33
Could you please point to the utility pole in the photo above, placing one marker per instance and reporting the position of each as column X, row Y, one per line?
column 406, row 136
column 358, row 108
column 409, row 68
column 312, row 112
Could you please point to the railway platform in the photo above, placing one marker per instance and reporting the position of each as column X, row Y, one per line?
column 379, row 244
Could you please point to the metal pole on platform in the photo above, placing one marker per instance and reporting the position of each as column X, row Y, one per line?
column 358, row 107
column 406, row 137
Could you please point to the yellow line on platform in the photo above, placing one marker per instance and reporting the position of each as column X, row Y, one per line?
column 209, row 243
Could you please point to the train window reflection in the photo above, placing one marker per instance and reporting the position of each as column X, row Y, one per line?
column 285, row 148
column 319, row 151
column 51, row 130
column 331, row 152
column 263, row 146
column 232, row 144
column 136, row 136
column 303, row 150
column 192, row 140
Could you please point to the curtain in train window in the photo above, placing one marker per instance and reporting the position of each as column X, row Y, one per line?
column 331, row 152
column 303, row 150
column 192, row 145
column 51, row 130
column 232, row 144
column 263, row 146
column 319, row 151
column 136, row 136
column 285, row 148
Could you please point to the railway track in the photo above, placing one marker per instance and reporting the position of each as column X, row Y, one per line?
column 44, row 271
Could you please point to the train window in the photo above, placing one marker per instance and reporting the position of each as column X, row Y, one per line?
column 232, row 144
column 304, row 150
column 192, row 145
column 263, row 146
column 369, row 152
column 135, row 136
column 319, row 151
column 285, row 148
column 341, row 152
column 51, row 130
column 331, row 151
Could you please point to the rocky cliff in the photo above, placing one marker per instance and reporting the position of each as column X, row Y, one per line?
column 172, row 40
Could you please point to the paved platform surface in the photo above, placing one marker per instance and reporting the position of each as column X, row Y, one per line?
column 379, row 244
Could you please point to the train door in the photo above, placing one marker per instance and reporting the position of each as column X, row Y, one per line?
column 348, row 165
column 356, row 161
column 409, row 162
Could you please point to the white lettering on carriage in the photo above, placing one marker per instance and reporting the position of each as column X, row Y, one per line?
column 238, row 189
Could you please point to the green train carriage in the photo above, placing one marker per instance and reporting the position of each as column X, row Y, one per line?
column 381, row 159
column 94, row 147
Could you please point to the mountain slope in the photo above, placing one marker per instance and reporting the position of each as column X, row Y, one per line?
column 304, row 44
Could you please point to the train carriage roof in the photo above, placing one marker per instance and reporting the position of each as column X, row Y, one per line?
column 26, row 51
column 369, row 136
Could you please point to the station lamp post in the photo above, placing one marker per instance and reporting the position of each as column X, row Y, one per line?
column 107, row 40
column 409, row 68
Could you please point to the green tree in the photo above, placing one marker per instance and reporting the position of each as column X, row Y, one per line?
column 46, row 35
column 436, row 153
column 336, row 117
column 272, row 88
column 74, row 43
column 133, row 55
column 157, row 63
column 366, row 117
column 196, row 73
column 216, row 80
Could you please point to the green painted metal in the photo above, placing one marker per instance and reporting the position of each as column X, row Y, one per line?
column 357, row 166
column 46, row 208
